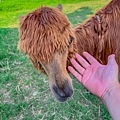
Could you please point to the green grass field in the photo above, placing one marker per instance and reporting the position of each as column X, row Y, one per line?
column 24, row 93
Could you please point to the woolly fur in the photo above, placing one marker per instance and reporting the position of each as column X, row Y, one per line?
column 100, row 34
column 44, row 32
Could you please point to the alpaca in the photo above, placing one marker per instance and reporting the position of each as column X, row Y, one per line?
column 46, row 36
column 48, row 39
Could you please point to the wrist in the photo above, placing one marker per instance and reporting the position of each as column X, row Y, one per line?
column 111, row 92
column 111, row 99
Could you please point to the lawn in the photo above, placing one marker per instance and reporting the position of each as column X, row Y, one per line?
column 24, row 93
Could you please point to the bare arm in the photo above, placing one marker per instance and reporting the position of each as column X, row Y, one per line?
column 101, row 80
column 111, row 99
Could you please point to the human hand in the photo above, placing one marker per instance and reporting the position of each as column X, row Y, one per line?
column 97, row 78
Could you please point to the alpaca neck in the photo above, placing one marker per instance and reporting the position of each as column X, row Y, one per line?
column 86, row 39
column 100, row 34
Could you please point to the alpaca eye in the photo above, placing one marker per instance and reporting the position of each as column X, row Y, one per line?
column 71, row 39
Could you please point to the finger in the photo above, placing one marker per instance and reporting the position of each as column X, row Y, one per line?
column 75, row 73
column 90, row 58
column 79, row 68
column 82, row 61
column 111, row 59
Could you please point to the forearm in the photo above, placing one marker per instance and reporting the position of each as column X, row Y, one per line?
column 112, row 101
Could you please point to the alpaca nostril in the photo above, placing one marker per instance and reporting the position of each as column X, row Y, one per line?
column 69, row 93
column 66, row 91
column 58, row 91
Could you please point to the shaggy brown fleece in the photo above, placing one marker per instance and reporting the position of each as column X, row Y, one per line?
column 100, row 35
column 44, row 32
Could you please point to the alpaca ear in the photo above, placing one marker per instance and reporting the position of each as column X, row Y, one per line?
column 20, row 17
column 60, row 7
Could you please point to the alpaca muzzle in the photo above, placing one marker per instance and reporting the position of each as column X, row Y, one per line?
column 62, row 94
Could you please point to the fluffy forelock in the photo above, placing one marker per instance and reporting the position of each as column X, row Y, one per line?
column 44, row 32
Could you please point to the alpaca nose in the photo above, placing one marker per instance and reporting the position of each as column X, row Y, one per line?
column 64, row 92
column 59, row 91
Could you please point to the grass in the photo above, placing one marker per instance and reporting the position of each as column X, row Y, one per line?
column 24, row 93
column 77, row 10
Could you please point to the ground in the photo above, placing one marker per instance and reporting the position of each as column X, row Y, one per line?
column 24, row 93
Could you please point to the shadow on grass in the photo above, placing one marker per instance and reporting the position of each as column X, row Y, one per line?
column 79, row 15
column 8, row 52
column 8, row 42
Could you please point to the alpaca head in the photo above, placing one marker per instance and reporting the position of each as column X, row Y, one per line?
column 49, row 41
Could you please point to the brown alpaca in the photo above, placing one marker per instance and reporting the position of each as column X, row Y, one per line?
column 49, row 41
column 46, row 37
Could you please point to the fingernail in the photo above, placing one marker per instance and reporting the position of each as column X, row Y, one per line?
column 77, row 55
column 71, row 59
column 112, row 55
column 69, row 67
column 84, row 53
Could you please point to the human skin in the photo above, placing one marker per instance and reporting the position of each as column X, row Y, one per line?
column 101, row 80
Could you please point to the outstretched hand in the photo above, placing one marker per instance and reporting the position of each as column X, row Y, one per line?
column 97, row 78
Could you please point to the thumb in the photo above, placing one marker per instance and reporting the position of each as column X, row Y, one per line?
column 111, row 59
